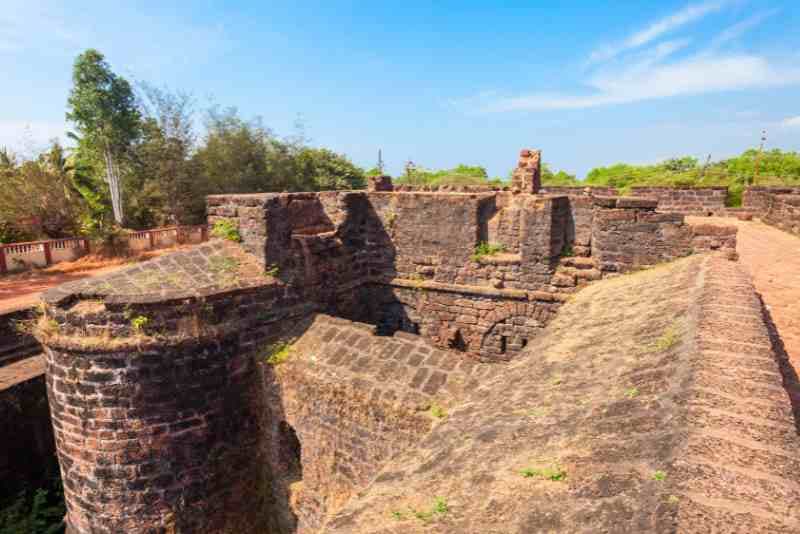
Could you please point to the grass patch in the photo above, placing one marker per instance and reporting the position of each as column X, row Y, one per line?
column 485, row 249
column 139, row 322
column 439, row 509
column 659, row 476
column 226, row 229
column 632, row 392
column 668, row 339
column 272, row 270
column 554, row 473
column 437, row 411
column 567, row 252
column 278, row 353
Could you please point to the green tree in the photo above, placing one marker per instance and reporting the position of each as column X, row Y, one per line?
column 102, row 106
column 561, row 178
column 167, row 186
column 321, row 169
column 38, row 197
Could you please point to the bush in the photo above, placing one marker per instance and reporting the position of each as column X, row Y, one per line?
column 487, row 249
column 226, row 229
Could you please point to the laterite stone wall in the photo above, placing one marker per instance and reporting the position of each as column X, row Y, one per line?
column 694, row 200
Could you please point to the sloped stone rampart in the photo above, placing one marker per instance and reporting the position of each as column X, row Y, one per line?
column 354, row 400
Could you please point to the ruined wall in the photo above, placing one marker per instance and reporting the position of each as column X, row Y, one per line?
column 527, row 177
column 605, row 191
column 757, row 198
column 783, row 212
column 629, row 233
column 485, row 323
column 154, row 396
column 351, row 401
column 694, row 200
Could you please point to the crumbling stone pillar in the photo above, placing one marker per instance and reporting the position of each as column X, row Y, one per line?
column 527, row 177
column 380, row 183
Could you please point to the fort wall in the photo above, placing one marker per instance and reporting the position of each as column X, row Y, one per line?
column 692, row 200
column 206, row 391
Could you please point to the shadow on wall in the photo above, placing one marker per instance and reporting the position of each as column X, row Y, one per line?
column 788, row 372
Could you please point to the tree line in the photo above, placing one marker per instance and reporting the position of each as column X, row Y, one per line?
column 139, row 162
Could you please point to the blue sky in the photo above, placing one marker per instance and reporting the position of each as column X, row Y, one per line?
column 590, row 83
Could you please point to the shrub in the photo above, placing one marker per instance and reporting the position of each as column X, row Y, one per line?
column 487, row 249
column 226, row 229
column 278, row 353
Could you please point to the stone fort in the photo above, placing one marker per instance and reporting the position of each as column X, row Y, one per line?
column 357, row 362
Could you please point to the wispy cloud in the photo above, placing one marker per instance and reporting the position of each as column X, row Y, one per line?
column 660, row 70
column 657, row 29
column 737, row 30
column 791, row 122
column 692, row 76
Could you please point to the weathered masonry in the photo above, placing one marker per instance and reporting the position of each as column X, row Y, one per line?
column 259, row 386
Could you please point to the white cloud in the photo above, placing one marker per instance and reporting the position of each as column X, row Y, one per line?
column 655, row 30
column 645, row 81
column 733, row 32
column 791, row 122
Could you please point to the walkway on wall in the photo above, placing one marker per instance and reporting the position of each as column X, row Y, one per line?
column 772, row 257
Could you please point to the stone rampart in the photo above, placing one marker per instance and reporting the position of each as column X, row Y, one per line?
column 151, row 382
column 691, row 200
column 204, row 391
column 784, row 212
column 344, row 403
column 604, row 191
column 758, row 198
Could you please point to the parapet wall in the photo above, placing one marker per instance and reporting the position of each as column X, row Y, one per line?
column 694, row 200
column 784, row 213
column 602, row 191
column 758, row 198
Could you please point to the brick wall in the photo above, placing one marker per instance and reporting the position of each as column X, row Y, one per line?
column 157, row 425
column 695, row 200
column 353, row 401
column 783, row 211
column 757, row 198
column 630, row 233
column 579, row 190
column 159, row 419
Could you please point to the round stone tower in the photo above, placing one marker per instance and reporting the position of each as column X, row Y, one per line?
column 154, row 395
